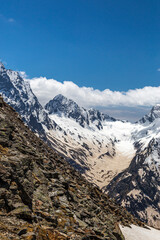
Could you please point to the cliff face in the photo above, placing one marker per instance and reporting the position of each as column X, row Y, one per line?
column 104, row 150
column 18, row 94
column 137, row 188
column 42, row 197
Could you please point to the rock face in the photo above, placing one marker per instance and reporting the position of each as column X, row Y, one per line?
column 63, row 106
column 98, row 146
column 138, row 187
column 154, row 114
column 86, row 138
column 43, row 197
column 94, row 143
column 19, row 95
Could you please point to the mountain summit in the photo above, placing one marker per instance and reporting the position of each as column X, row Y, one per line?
column 62, row 105
column 1, row 67
column 43, row 197
column 65, row 107
column 104, row 150
column 154, row 114
column 17, row 92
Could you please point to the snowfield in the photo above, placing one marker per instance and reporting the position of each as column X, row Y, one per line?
column 139, row 233
column 100, row 147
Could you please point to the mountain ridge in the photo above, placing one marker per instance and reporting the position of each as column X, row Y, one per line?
column 137, row 187
column 153, row 114
column 19, row 95
column 99, row 149
column 68, row 108
column 43, row 197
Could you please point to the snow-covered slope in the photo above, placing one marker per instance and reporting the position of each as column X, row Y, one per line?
column 64, row 107
column 98, row 145
column 99, row 154
column 102, row 148
column 154, row 114
column 19, row 95
column 134, row 232
column 126, row 154
column 138, row 187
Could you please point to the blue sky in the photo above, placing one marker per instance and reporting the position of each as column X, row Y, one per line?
column 95, row 43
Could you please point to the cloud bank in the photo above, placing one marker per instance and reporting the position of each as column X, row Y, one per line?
column 45, row 89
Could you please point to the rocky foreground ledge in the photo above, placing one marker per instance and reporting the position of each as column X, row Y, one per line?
column 44, row 198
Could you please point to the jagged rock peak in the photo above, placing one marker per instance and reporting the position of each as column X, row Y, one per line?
column 154, row 114
column 156, row 110
column 137, row 187
column 18, row 93
column 14, row 75
column 61, row 105
column 61, row 97
column 42, row 197
column 1, row 67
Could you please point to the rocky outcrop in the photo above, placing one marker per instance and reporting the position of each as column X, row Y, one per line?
column 17, row 92
column 138, row 187
column 97, row 145
column 152, row 115
column 63, row 106
column 43, row 197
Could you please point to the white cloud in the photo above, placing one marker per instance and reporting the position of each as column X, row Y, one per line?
column 45, row 89
column 158, row 69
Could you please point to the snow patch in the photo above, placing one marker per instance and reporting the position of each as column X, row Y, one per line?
column 139, row 233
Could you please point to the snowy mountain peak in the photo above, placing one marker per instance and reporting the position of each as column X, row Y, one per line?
column 19, row 95
column 64, row 107
column 154, row 114
column 61, row 105
column 99, row 146
column 60, row 97
column 1, row 67
column 156, row 109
